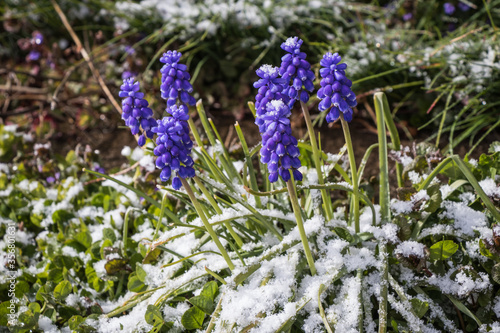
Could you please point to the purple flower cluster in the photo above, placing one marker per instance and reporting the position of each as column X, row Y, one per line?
column 449, row 9
column 279, row 148
column 136, row 112
column 175, row 80
column 335, row 91
column 174, row 146
column 270, row 88
column 297, row 70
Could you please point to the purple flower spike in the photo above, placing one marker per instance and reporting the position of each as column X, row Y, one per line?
column 296, row 70
column 335, row 91
column 449, row 9
column 279, row 148
column 174, row 146
column 270, row 88
column 175, row 80
column 136, row 112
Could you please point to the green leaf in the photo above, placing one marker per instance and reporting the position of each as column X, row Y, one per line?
column 419, row 307
column 153, row 316
column 55, row 275
column 193, row 318
column 109, row 233
column 343, row 233
column 4, row 312
column 464, row 309
column 435, row 195
column 443, row 250
column 210, row 290
column 75, row 321
column 487, row 253
column 115, row 266
column 22, row 288
column 141, row 273
column 84, row 238
column 495, row 273
column 61, row 216
column 135, row 284
column 62, row 290
column 206, row 304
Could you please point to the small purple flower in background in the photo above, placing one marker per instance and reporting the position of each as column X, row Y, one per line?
column 129, row 50
column 295, row 68
column 463, row 7
column 279, row 148
column 175, row 80
column 37, row 38
column 449, row 9
column 50, row 180
column 407, row 17
column 136, row 112
column 34, row 55
column 128, row 75
column 174, row 146
column 335, row 91
column 98, row 168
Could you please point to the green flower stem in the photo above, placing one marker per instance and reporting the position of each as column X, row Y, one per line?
column 205, row 155
column 327, row 202
column 359, row 275
column 208, row 226
column 214, row 204
column 248, row 160
column 384, row 283
column 125, row 232
column 354, row 173
column 296, row 210
column 380, row 104
column 162, row 212
column 215, row 316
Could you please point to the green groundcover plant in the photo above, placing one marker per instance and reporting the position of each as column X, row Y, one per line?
column 280, row 237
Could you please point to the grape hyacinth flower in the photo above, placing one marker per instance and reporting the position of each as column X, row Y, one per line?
column 136, row 112
column 174, row 146
column 335, row 91
column 449, row 9
column 279, row 148
column 270, row 87
column 297, row 70
column 175, row 80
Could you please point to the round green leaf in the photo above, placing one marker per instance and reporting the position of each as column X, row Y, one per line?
column 62, row 289
column 443, row 250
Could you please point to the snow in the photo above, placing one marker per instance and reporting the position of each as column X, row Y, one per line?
column 148, row 163
column 466, row 219
column 462, row 284
column 247, row 303
column 346, row 308
column 406, row 207
column 496, row 307
column 45, row 324
column 490, row 188
column 411, row 248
